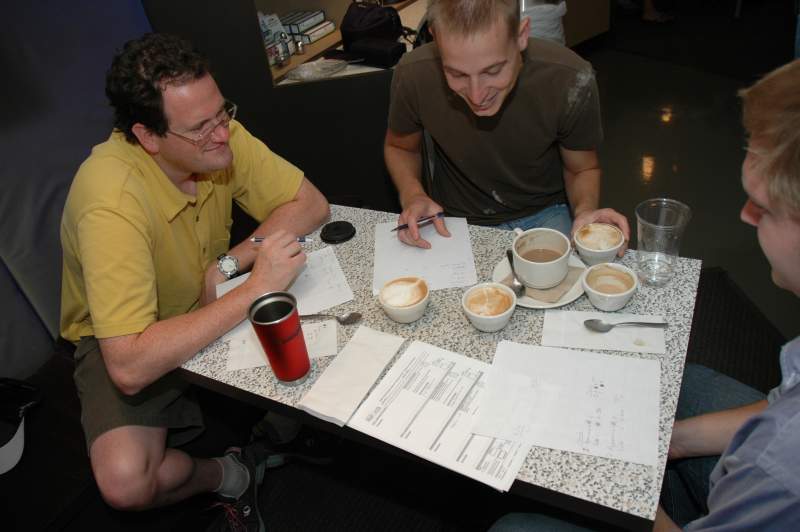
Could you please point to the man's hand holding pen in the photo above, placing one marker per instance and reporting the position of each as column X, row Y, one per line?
column 420, row 210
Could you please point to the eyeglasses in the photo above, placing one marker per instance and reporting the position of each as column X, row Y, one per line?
column 201, row 137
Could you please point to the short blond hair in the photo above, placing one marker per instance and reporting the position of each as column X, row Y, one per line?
column 771, row 116
column 468, row 17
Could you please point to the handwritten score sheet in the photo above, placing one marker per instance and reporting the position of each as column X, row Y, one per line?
column 448, row 264
column 604, row 405
column 427, row 403
column 320, row 286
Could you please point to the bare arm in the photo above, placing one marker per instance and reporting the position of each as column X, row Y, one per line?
column 298, row 217
column 663, row 523
column 582, row 182
column 404, row 161
column 137, row 360
column 709, row 434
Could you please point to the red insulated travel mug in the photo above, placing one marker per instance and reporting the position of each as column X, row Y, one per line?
column 277, row 323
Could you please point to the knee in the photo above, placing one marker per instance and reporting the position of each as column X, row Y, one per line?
column 125, row 483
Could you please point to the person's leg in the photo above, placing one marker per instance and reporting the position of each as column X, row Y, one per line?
column 135, row 471
column 519, row 522
column 686, row 483
column 554, row 217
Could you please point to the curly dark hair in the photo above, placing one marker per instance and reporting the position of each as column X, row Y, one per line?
column 137, row 76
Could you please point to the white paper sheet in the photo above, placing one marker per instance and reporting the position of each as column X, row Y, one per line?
column 563, row 328
column 320, row 286
column 339, row 390
column 513, row 407
column 245, row 350
column 427, row 403
column 448, row 264
column 607, row 406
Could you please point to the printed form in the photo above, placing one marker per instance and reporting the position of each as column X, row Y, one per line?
column 427, row 404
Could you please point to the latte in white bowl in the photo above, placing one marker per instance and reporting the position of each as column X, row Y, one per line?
column 404, row 299
column 598, row 242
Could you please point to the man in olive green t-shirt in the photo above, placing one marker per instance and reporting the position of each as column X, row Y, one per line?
column 514, row 125
column 145, row 237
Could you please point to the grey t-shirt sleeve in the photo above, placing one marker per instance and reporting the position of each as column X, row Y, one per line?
column 403, row 105
column 580, row 126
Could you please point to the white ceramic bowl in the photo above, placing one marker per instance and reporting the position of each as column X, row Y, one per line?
column 607, row 301
column 596, row 256
column 494, row 322
column 405, row 313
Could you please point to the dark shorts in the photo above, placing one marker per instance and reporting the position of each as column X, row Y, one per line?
column 166, row 403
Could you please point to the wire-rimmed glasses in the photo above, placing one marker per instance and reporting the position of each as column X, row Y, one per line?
column 201, row 137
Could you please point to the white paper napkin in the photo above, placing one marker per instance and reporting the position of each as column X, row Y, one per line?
column 344, row 384
column 564, row 328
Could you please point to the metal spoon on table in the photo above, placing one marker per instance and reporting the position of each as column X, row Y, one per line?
column 516, row 286
column 347, row 318
column 604, row 326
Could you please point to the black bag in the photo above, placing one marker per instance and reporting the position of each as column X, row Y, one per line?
column 365, row 20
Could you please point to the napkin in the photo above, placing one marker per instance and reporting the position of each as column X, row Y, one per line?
column 564, row 328
column 346, row 381
column 554, row 294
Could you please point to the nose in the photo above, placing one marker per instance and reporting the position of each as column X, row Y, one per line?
column 749, row 214
column 222, row 132
column 476, row 92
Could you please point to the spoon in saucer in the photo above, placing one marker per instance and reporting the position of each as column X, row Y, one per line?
column 603, row 326
column 516, row 286
column 347, row 318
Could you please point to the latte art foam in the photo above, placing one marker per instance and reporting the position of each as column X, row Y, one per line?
column 599, row 237
column 403, row 292
column 488, row 301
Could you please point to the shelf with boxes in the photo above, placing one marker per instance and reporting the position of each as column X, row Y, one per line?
column 318, row 32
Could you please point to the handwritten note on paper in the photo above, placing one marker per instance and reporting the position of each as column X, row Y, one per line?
column 606, row 406
column 320, row 286
column 245, row 351
column 427, row 403
column 448, row 264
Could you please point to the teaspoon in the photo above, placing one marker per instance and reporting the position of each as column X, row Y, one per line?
column 345, row 319
column 604, row 326
column 516, row 286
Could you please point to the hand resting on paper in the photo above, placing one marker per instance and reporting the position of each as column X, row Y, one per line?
column 418, row 207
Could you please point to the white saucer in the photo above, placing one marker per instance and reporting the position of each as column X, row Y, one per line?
column 503, row 270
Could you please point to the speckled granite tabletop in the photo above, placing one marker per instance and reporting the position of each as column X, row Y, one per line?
column 628, row 487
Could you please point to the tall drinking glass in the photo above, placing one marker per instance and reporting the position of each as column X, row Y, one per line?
column 660, row 224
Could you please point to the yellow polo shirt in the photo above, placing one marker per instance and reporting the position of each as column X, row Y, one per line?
column 135, row 248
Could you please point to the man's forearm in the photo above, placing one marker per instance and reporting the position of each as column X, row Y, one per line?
column 405, row 168
column 583, row 190
column 710, row 434
column 135, row 361
column 301, row 216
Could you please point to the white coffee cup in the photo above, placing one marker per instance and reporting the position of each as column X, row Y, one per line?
column 598, row 242
column 541, row 257
column 609, row 286
column 404, row 299
column 489, row 306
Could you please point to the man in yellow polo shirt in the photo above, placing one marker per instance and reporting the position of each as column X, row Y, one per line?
column 145, row 237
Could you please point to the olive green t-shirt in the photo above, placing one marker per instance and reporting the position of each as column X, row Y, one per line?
column 500, row 168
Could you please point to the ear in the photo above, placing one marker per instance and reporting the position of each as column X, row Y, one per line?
column 147, row 139
column 524, row 33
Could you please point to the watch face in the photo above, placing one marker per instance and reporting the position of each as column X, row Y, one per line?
column 228, row 266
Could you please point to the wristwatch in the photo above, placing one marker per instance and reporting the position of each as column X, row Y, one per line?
column 228, row 265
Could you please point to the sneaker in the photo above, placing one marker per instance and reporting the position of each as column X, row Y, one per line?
column 243, row 514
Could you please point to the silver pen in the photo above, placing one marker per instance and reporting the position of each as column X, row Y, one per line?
column 301, row 239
